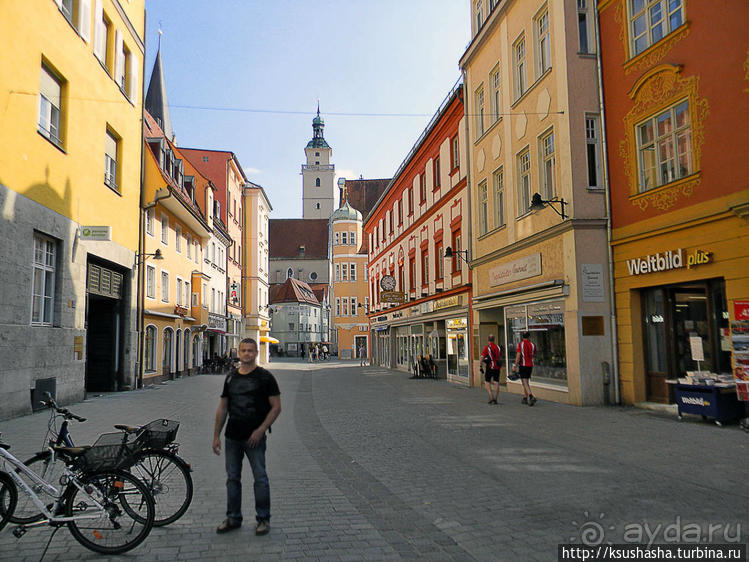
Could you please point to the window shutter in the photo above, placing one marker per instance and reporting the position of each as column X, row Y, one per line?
column 100, row 33
column 119, row 63
column 49, row 87
column 133, row 72
column 84, row 19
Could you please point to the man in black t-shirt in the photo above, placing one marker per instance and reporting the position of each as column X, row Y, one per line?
column 252, row 401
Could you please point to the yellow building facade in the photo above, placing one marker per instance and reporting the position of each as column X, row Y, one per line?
column 69, row 193
column 175, row 232
column 534, row 133
column 350, row 300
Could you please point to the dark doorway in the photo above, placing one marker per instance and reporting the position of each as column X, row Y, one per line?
column 102, row 347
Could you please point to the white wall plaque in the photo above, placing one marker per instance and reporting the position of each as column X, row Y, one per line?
column 591, row 281
column 526, row 267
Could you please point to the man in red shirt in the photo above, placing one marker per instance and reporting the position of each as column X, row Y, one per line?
column 490, row 359
column 524, row 355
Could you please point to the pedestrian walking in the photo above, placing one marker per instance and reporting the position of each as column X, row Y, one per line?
column 362, row 355
column 524, row 355
column 252, row 401
column 325, row 352
column 491, row 357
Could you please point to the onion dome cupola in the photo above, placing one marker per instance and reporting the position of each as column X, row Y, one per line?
column 346, row 212
column 318, row 124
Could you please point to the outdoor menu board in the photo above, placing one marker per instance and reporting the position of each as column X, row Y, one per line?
column 740, row 342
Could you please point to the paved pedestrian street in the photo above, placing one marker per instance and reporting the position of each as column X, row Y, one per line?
column 367, row 464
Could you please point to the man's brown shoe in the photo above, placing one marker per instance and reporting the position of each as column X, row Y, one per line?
column 228, row 525
column 263, row 527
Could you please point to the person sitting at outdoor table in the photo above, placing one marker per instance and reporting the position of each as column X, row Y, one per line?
column 431, row 366
column 424, row 366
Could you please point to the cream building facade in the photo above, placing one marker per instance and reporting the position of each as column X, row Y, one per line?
column 534, row 127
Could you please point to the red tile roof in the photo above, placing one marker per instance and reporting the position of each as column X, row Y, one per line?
column 363, row 194
column 292, row 290
column 287, row 235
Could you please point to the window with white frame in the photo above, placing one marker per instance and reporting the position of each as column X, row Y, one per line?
column 366, row 273
column 344, row 272
column 187, row 294
column 150, row 350
column 150, row 282
column 344, row 238
column 665, row 147
column 164, row 286
column 583, row 26
column 543, row 42
column 519, row 67
column 213, row 301
column 496, row 100
column 352, row 238
column 178, row 293
column 651, row 20
column 524, row 181
column 125, row 67
column 164, row 229
column 344, row 306
column 43, row 280
column 178, row 238
column 197, row 252
column 78, row 14
column 354, row 311
column 336, row 238
column 352, row 270
column 483, row 208
column 149, row 222
column 50, row 108
column 337, row 272
column 593, row 147
column 548, row 165
column 188, row 245
column 337, row 306
column 366, row 304
column 102, row 29
column 479, row 100
column 498, row 185
column 111, row 150
column 455, row 155
column 479, row 7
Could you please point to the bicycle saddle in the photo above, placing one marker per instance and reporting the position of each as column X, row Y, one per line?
column 127, row 428
column 70, row 451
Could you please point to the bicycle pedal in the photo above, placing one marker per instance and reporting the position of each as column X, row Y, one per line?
column 18, row 532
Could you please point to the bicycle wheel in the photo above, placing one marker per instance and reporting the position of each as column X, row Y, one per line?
column 111, row 529
column 41, row 463
column 8, row 498
column 168, row 479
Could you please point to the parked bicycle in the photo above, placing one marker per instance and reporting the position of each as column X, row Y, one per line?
column 155, row 461
column 106, row 509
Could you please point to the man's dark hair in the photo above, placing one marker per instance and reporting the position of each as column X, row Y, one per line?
column 249, row 341
column 526, row 335
column 491, row 337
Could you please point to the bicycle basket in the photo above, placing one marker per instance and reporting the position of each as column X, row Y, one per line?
column 109, row 452
column 158, row 433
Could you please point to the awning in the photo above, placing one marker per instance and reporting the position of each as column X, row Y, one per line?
column 268, row 339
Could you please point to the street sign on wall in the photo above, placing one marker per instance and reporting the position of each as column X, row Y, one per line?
column 393, row 297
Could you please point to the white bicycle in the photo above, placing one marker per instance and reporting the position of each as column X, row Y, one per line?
column 107, row 510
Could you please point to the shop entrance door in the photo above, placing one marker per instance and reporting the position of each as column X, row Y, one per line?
column 671, row 315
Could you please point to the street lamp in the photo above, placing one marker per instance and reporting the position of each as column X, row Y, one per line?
column 142, row 257
column 537, row 204
column 462, row 254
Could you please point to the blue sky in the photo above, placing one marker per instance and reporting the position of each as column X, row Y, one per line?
column 279, row 56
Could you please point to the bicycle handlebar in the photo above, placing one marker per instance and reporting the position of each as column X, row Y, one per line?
column 50, row 403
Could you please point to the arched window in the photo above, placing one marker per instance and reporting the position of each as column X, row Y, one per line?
column 167, row 349
column 317, row 182
column 289, row 273
column 150, row 352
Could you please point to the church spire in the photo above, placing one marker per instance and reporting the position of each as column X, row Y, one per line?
column 318, row 140
column 156, row 102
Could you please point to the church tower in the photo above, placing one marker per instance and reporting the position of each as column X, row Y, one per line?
column 317, row 175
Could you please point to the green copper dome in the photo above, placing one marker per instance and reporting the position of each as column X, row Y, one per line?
column 346, row 212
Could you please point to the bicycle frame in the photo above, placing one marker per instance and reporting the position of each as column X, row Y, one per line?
column 7, row 458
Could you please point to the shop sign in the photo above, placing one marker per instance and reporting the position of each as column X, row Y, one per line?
column 447, row 302
column 381, row 318
column 523, row 268
column 427, row 307
column 100, row 233
column 672, row 259
column 740, row 310
column 397, row 314
column 456, row 324
column 398, row 297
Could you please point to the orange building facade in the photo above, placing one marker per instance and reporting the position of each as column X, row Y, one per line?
column 676, row 89
column 422, row 212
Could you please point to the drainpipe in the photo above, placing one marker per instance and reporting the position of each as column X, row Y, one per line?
column 470, row 228
column 605, row 168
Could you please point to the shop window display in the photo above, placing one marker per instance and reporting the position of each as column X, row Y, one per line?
column 545, row 322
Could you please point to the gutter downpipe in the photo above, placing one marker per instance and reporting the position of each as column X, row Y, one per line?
column 607, row 191
column 138, row 382
column 470, row 227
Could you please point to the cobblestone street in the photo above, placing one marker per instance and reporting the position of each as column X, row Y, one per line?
column 365, row 463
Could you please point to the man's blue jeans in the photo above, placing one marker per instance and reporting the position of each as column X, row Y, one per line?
column 235, row 453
